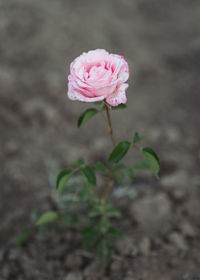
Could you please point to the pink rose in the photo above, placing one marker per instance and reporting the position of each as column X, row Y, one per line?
column 98, row 75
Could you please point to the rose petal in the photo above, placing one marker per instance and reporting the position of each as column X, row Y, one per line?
column 75, row 94
column 118, row 97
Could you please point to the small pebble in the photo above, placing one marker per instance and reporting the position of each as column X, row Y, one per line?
column 74, row 261
column 187, row 229
column 74, row 276
column 116, row 266
column 145, row 246
column 93, row 270
column 126, row 247
column 178, row 240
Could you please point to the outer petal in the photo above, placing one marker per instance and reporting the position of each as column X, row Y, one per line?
column 121, row 68
column 118, row 97
column 77, row 86
column 75, row 94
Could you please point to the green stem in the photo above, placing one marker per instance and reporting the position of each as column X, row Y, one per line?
column 110, row 182
column 110, row 123
column 135, row 146
column 104, row 117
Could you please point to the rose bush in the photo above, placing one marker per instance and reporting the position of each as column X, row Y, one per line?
column 86, row 205
column 97, row 76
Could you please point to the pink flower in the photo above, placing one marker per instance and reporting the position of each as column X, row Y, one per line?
column 98, row 75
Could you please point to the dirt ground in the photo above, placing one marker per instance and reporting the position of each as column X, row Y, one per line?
column 38, row 133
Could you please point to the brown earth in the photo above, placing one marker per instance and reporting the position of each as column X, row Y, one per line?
column 161, row 42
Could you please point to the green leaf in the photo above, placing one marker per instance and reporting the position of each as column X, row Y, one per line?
column 105, row 252
column 23, row 237
column 118, row 178
column 100, row 167
column 62, row 179
column 77, row 163
column 86, row 115
column 90, row 236
column 115, row 232
column 103, row 224
column 129, row 173
column 152, row 152
column 89, row 174
column 137, row 138
column 95, row 211
column 86, row 193
column 152, row 159
column 66, row 219
column 120, row 172
column 119, row 152
column 106, row 209
column 118, row 167
column 48, row 217
column 141, row 165
column 117, row 172
column 111, row 212
column 120, row 106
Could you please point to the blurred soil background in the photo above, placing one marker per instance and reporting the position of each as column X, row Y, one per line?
column 38, row 133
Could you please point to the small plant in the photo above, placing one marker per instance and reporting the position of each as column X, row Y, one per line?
column 97, row 77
